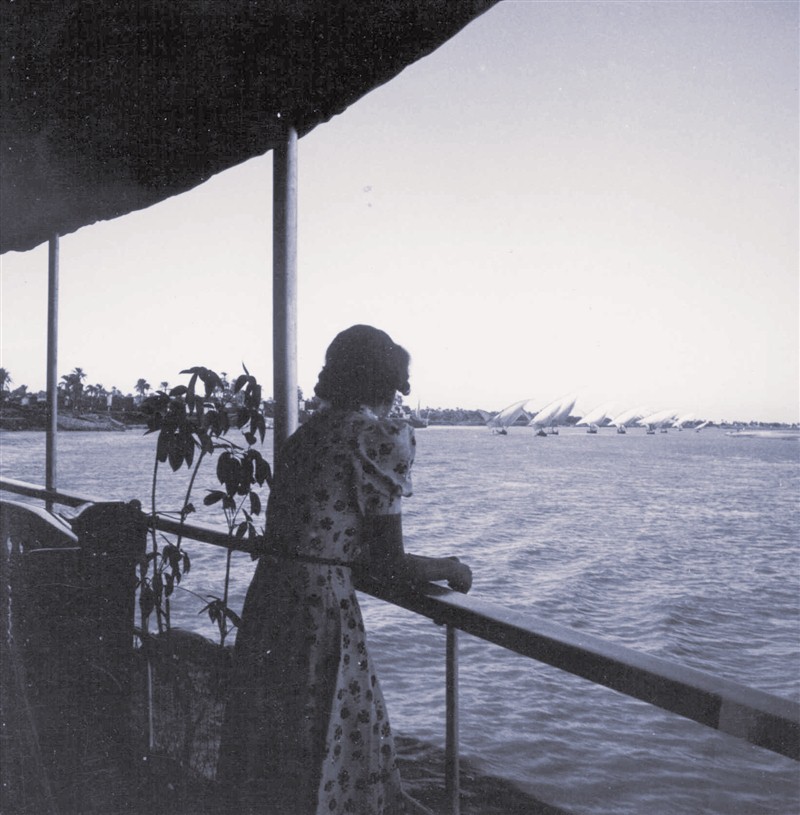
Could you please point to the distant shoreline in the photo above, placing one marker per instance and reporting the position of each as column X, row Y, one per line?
column 34, row 418
column 15, row 418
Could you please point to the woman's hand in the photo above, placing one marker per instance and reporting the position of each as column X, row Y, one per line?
column 461, row 577
column 423, row 569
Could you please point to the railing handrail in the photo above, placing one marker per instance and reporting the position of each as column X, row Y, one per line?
column 763, row 719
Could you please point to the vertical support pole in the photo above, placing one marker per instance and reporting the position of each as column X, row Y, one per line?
column 284, row 287
column 452, row 780
column 52, row 367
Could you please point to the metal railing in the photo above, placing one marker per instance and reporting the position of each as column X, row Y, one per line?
column 760, row 718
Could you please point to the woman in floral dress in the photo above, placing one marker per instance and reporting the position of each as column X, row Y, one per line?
column 306, row 730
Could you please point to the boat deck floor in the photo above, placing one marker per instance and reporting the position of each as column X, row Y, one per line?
column 422, row 769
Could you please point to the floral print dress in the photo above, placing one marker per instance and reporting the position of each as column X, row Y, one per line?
column 306, row 729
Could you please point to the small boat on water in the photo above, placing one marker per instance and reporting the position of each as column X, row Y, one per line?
column 657, row 421
column 763, row 433
column 680, row 421
column 553, row 414
column 622, row 420
column 595, row 418
column 416, row 419
column 500, row 422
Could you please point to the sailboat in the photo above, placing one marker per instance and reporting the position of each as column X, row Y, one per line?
column 657, row 421
column 595, row 418
column 506, row 417
column 552, row 414
column 416, row 419
column 622, row 420
column 681, row 420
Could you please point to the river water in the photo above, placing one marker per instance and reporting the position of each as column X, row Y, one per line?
column 683, row 545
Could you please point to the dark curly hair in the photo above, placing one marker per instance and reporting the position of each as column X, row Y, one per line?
column 363, row 366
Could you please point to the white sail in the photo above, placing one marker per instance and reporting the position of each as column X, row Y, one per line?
column 544, row 415
column 567, row 405
column 628, row 416
column 681, row 420
column 597, row 415
column 658, row 419
column 417, row 419
column 554, row 412
column 508, row 415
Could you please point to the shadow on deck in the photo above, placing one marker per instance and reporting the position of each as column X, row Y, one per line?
column 188, row 700
column 163, row 794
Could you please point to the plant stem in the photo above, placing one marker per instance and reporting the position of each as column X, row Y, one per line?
column 189, row 495
column 224, row 630
column 154, row 583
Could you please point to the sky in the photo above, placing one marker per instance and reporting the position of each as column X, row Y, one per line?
column 597, row 198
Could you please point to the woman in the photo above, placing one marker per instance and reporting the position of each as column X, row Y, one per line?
column 306, row 729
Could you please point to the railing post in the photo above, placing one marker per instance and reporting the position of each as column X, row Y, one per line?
column 113, row 540
column 452, row 781
column 52, row 367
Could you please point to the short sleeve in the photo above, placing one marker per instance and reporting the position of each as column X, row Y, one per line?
column 383, row 454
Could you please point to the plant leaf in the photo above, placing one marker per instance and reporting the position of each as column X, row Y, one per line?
column 175, row 453
column 146, row 601
column 263, row 471
column 162, row 446
column 232, row 616
column 188, row 446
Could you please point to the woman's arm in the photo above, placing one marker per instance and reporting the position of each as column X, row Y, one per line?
column 388, row 560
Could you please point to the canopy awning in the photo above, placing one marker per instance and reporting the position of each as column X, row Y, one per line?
column 110, row 106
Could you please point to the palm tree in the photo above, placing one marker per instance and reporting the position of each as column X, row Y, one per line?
column 5, row 382
column 164, row 385
column 141, row 387
column 67, row 384
column 73, row 384
column 95, row 393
